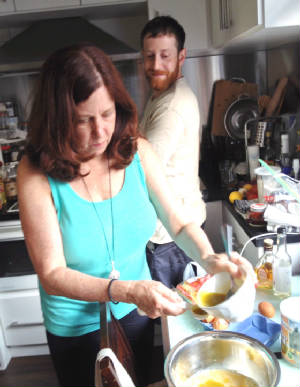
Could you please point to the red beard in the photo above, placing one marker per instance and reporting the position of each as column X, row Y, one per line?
column 162, row 84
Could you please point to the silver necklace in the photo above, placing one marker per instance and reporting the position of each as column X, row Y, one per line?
column 114, row 274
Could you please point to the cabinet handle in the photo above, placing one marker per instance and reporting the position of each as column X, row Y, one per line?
column 15, row 324
column 227, row 15
column 221, row 14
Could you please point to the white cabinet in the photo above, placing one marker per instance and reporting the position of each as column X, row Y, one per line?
column 283, row 13
column 21, row 318
column 191, row 14
column 34, row 5
column 232, row 18
column 7, row 6
column 234, row 21
column 105, row 2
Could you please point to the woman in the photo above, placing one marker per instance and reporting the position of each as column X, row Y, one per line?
column 90, row 190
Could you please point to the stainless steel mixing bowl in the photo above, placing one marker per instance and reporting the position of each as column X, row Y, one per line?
column 221, row 350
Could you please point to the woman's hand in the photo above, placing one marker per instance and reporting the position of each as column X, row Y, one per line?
column 237, row 266
column 155, row 299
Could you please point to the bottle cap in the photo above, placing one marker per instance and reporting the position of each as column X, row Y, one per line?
column 281, row 230
column 268, row 242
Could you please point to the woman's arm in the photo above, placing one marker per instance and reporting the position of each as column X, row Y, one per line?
column 44, row 243
column 188, row 235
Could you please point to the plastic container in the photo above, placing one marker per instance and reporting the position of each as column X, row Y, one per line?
column 266, row 183
column 257, row 326
column 256, row 214
column 290, row 330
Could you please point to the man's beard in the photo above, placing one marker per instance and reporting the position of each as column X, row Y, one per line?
column 159, row 84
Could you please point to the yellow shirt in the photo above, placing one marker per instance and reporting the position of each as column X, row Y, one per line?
column 171, row 123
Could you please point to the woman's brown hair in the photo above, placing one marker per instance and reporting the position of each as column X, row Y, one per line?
column 69, row 76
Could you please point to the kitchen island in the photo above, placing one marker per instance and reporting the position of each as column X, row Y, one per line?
column 175, row 329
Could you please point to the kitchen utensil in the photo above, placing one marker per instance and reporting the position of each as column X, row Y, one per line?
column 239, row 112
column 225, row 92
column 226, row 234
column 239, row 303
column 221, row 350
column 276, row 100
column 263, row 102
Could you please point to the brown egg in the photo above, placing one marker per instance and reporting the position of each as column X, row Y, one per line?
column 220, row 324
column 209, row 318
column 266, row 309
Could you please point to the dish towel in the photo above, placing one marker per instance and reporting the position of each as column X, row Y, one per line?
column 123, row 376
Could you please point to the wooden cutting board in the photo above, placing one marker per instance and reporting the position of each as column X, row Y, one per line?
column 226, row 92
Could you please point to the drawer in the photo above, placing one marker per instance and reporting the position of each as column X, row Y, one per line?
column 20, row 308
column 21, row 318
column 17, row 335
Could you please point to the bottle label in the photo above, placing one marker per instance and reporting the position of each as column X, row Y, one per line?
column 11, row 189
column 262, row 274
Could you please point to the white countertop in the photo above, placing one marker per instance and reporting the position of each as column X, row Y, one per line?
column 177, row 328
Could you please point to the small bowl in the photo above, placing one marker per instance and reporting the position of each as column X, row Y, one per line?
column 239, row 303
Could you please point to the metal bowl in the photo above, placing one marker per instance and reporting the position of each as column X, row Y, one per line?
column 221, row 350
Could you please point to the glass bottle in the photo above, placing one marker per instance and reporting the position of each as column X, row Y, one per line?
column 269, row 152
column 285, row 160
column 264, row 266
column 2, row 186
column 11, row 185
column 282, row 267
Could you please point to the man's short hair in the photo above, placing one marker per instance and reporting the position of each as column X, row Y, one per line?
column 164, row 25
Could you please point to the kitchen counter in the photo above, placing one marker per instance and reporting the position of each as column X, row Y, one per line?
column 177, row 328
column 252, row 231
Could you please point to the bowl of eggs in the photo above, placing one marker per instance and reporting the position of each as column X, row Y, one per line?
column 221, row 358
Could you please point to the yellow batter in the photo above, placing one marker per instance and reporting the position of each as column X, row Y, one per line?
column 219, row 378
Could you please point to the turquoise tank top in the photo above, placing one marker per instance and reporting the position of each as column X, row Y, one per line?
column 85, row 248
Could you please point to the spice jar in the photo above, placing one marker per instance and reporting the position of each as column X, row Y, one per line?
column 256, row 215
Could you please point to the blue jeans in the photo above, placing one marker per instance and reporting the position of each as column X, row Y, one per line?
column 166, row 262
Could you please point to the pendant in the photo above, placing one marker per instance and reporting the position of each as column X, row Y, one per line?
column 114, row 274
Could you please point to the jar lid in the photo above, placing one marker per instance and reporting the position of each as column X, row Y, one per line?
column 290, row 308
column 258, row 207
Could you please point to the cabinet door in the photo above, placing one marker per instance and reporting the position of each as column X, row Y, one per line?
column 246, row 16
column 283, row 13
column 21, row 318
column 231, row 19
column 7, row 6
column 219, row 27
column 107, row 2
column 35, row 5
column 191, row 14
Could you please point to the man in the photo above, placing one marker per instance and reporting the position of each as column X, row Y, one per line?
column 171, row 123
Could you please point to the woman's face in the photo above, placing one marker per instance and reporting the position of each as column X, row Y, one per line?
column 96, row 121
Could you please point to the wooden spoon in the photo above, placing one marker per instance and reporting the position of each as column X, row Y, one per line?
column 276, row 97
column 263, row 102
